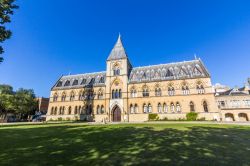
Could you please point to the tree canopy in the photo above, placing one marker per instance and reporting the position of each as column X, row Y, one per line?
column 21, row 102
column 6, row 10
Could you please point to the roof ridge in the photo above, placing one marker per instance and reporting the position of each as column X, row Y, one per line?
column 165, row 64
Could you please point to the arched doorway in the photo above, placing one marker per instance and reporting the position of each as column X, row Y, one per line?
column 116, row 114
column 229, row 117
column 243, row 117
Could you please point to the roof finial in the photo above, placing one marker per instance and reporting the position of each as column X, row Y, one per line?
column 195, row 57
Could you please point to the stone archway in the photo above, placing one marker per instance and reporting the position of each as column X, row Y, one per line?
column 229, row 117
column 116, row 114
column 243, row 117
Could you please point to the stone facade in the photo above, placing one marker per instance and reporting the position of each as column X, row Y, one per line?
column 234, row 104
column 128, row 94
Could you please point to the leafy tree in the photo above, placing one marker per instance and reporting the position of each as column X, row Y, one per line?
column 25, row 102
column 21, row 103
column 6, row 100
column 6, row 10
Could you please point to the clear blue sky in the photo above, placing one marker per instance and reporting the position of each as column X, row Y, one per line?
column 55, row 37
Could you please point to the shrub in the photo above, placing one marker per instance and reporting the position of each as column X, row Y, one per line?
column 68, row 118
column 60, row 119
column 191, row 116
column 153, row 117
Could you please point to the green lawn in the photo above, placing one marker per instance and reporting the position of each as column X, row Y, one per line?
column 125, row 144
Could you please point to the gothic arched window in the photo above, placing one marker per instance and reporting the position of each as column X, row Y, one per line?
column 191, row 104
column 178, row 107
column 205, row 106
column 172, row 107
column 55, row 96
column 159, row 108
column 165, row 108
column 145, row 92
column 171, row 91
column 63, row 98
column 133, row 93
column 185, row 90
column 200, row 89
column 157, row 91
column 69, row 110
column 72, row 96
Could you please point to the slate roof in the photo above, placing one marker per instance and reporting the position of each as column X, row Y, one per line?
column 118, row 51
column 169, row 71
column 81, row 80
column 234, row 92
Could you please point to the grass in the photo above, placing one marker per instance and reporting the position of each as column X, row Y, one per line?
column 125, row 144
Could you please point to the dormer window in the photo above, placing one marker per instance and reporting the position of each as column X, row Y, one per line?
column 67, row 83
column 59, row 84
column 83, row 81
column 75, row 82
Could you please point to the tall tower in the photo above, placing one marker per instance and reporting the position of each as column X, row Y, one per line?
column 117, row 73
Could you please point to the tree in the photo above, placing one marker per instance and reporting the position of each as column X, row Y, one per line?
column 6, row 10
column 20, row 103
column 25, row 102
column 6, row 100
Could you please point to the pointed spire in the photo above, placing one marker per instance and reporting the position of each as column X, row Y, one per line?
column 118, row 51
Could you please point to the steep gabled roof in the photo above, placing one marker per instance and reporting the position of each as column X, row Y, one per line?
column 118, row 51
column 169, row 71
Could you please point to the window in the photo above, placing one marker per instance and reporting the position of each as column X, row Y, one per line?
column 158, row 92
column 75, row 111
column 52, row 111
column 145, row 108
column 120, row 93
column 247, row 103
column 159, row 108
column 98, row 110
column 60, row 111
column 67, row 83
column 205, row 107
column 222, row 104
column 59, row 84
column 136, row 108
column 116, row 94
column 169, row 74
column 83, row 81
column 172, row 108
column 149, row 108
column 235, row 103
column 81, row 95
column 178, row 107
column 69, row 110
column 63, row 97
column 55, row 111
column 200, row 89
column 191, row 104
column 101, row 80
column 133, row 93
column 55, row 96
column 92, row 81
column 116, row 72
column 171, row 91
column 145, row 92
column 102, row 109
column 75, row 82
column 72, row 96
column 100, row 94
column 165, row 108
column 132, row 111
column 185, row 90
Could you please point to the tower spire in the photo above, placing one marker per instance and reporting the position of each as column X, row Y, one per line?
column 118, row 51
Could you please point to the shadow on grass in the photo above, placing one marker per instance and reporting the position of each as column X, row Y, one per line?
column 112, row 145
